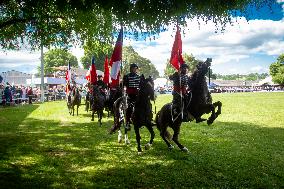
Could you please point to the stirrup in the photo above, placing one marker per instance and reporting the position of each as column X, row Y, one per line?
column 127, row 126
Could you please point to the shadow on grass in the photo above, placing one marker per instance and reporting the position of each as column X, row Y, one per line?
column 10, row 120
column 83, row 155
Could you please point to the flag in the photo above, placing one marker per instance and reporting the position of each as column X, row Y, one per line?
column 92, row 73
column 176, row 55
column 106, row 72
column 116, row 59
column 68, row 73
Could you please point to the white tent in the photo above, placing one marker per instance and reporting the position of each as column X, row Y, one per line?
column 267, row 81
column 160, row 82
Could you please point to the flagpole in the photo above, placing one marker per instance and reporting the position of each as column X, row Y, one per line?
column 180, row 89
column 42, row 73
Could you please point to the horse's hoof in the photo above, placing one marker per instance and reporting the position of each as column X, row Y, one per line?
column 200, row 120
column 127, row 142
column 119, row 139
column 148, row 146
column 92, row 119
column 184, row 149
column 139, row 153
column 209, row 122
column 171, row 147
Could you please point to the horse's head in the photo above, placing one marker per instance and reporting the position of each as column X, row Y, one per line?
column 203, row 67
column 147, row 87
column 96, row 90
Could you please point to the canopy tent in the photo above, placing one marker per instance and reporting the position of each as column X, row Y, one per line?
column 54, row 81
column 160, row 82
column 266, row 81
column 212, row 85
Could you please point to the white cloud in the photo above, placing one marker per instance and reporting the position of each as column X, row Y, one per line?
column 256, row 68
column 236, row 43
column 22, row 60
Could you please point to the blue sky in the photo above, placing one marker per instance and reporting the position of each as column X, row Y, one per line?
column 247, row 46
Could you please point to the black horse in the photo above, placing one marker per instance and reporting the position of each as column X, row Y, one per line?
column 97, row 101
column 142, row 114
column 112, row 95
column 74, row 99
column 87, row 101
column 199, row 102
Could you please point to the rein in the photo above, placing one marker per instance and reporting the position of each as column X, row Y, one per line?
column 173, row 120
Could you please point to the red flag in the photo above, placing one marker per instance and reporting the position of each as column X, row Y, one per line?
column 68, row 73
column 116, row 59
column 176, row 55
column 106, row 73
column 92, row 73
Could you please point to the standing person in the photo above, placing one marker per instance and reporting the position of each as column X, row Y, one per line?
column 24, row 92
column 1, row 93
column 30, row 94
column 7, row 95
column 131, row 82
column 180, row 83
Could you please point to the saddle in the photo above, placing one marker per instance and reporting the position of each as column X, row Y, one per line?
column 176, row 113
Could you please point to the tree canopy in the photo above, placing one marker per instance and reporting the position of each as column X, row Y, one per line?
column 99, row 50
column 276, row 70
column 65, row 22
column 58, row 57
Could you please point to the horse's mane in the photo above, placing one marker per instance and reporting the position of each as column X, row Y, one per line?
column 198, row 84
column 143, row 107
column 96, row 92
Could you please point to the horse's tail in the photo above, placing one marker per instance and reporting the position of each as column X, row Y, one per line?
column 116, row 115
column 157, row 122
column 160, row 125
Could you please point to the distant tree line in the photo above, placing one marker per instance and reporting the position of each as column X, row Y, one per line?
column 247, row 77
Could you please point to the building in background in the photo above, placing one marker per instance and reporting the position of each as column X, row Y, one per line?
column 15, row 77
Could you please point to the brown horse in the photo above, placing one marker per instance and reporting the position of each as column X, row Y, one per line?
column 74, row 100
column 97, row 101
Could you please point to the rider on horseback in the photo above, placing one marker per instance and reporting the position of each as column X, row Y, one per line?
column 102, row 86
column 180, row 92
column 68, row 91
column 131, row 81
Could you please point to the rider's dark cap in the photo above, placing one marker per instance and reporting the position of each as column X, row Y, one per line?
column 184, row 65
column 133, row 65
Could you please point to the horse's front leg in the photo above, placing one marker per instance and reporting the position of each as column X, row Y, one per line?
column 73, row 110
column 164, row 133
column 137, row 133
column 213, row 115
column 119, row 136
column 176, row 129
column 93, row 112
column 77, row 110
column 99, row 117
column 126, row 140
column 149, row 144
column 219, row 105
column 87, row 106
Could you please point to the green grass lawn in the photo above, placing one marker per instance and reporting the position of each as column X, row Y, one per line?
column 42, row 146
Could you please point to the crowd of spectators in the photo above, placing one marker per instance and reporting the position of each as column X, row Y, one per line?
column 218, row 89
column 13, row 94
column 245, row 89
